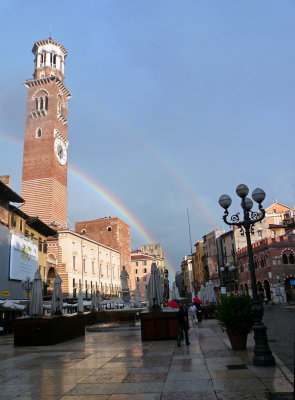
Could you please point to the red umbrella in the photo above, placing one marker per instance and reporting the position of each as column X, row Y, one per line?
column 197, row 300
column 172, row 304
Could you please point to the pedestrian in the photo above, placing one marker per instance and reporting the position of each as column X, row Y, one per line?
column 192, row 312
column 199, row 313
column 265, row 301
column 183, row 325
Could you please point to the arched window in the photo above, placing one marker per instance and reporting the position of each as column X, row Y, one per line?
column 285, row 259
column 38, row 132
column 256, row 263
column 291, row 258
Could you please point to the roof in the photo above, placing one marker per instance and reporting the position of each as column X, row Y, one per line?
column 274, row 204
column 34, row 222
column 47, row 41
column 135, row 257
column 9, row 194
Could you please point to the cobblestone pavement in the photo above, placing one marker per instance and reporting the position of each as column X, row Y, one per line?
column 119, row 366
column 280, row 322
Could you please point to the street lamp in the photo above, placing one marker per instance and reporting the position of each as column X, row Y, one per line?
column 262, row 353
column 27, row 286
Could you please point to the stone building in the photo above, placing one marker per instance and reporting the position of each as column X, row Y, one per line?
column 274, row 260
column 84, row 264
column 112, row 232
column 211, row 256
column 198, row 267
column 23, row 244
column 188, row 278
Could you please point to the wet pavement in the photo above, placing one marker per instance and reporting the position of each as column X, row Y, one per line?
column 119, row 366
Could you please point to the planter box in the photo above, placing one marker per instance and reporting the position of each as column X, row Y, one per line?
column 94, row 317
column 121, row 316
column 159, row 325
column 48, row 330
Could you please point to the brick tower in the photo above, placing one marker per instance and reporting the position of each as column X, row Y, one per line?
column 44, row 175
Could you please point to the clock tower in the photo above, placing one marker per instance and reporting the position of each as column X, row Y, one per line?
column 44, row 174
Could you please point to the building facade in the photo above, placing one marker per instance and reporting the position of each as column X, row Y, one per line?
column 86, row 265
column 20, row 235
column 198, row 268
column 274, row 260
column 112, row 232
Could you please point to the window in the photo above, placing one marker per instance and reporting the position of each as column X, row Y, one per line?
column 40, row 244
column 41, row 103
column 38, row 132
column 84, row 264
column 44, row 247
column 13, row 221
column 285, row 259
column 109, row 229
column 291, row 258
column 74, row 283
column 137, row 279
column 93, row 267
column 21, row 225
column 74, row 262
column 144, row 270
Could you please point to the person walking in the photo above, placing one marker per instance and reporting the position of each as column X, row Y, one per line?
column 192, row 313
column 183, row 325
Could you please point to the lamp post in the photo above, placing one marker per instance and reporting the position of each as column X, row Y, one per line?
column 262, row 353
column 27, row 286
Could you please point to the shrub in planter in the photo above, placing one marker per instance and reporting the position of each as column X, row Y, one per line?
column 236, row 318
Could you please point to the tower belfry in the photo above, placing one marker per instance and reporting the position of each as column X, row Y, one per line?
column 44, row 174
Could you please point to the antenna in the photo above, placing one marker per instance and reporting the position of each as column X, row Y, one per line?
column 50, row 32
column 189, row 231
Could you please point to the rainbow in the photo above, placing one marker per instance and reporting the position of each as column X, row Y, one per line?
column 204, row 212
column 98, row 189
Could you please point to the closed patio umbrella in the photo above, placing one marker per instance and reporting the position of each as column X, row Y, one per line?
column 56, row 300
column 36, row 305
column 80, row 302
column 210, row 294
column 154, row 289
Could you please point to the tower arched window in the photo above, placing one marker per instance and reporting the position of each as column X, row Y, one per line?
column 285, row 259
column 291, row 258
column 41, row 103
column 38, row 132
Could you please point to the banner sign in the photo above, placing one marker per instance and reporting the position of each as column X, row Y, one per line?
column 23, row 258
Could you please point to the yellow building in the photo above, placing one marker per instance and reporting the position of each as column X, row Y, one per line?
column 33, row 229
column 198, row 267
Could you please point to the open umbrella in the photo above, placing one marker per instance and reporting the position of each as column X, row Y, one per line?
column 56, row 300
column 36, row 306
column 172, row 304
column 154, row 289
column 197, row 300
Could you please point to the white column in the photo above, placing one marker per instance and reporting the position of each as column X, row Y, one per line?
column 47, row 61
column 57, row 62
column 38, row 60
column 62, row 66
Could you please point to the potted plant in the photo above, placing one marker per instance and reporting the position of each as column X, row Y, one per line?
column 236, row 318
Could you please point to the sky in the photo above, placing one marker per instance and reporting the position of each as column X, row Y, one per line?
column 174, row 103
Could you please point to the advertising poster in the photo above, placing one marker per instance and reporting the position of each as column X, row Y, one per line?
column 23, row 258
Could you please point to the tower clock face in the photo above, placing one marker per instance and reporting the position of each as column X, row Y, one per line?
column 60, row 151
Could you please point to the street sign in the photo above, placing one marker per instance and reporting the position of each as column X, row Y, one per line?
column 5, row 293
